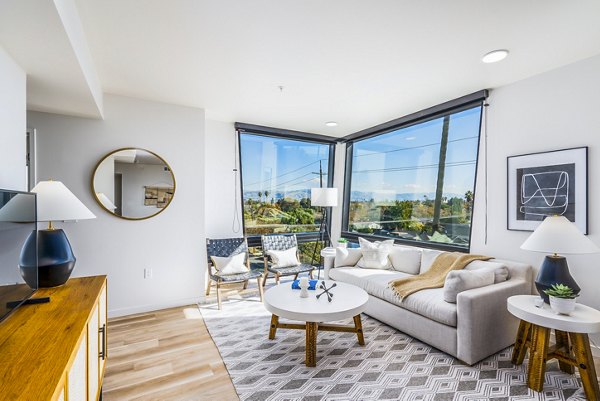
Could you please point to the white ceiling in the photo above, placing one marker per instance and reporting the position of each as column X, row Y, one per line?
column 359, row 63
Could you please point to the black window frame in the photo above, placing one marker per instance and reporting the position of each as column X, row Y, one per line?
column 476, row 99
column 258, row 130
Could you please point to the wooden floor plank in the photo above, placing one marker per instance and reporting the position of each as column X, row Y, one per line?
column 164, row 355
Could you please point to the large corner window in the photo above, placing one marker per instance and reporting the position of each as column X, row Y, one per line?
column 416, row 183
column 277, row 175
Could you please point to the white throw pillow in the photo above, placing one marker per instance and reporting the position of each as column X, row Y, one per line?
column 230, row 265
column 346, row 257
column 287, row 258
column 406, row 260
column 375, row 254
column 500, row 270
column 427, row 258
column 458, row 281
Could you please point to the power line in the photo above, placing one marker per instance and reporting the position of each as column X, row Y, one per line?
column 414, row 147
column 410, row 168
column 284, row 174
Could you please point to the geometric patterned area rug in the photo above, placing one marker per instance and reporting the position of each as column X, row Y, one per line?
column 391, row 366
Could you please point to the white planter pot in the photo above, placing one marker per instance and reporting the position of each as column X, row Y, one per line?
column 562, row 306
column 342, row 245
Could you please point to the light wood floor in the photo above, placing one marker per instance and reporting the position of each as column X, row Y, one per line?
column 169, row 355
column 164, row 355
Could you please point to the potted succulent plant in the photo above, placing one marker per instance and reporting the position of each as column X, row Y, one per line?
column 342, row 243
column 562, row 298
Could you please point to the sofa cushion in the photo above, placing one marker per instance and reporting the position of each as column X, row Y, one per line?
column 427, row 303
column 427, row 258
column 458, row 281
column 500, row 270
column 375, row 254
column 346, row 256
column 406, row 260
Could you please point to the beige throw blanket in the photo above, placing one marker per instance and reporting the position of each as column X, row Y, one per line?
column 436, row 275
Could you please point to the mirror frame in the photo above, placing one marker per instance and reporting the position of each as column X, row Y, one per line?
column 160, row 210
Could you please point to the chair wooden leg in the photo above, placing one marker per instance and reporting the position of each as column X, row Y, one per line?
column 310, row 274
column 260, row 288
column 219, row 294
column 264, row 280
column 245, row 284
column 277, row 278
column 208, row 283
column 295, row 277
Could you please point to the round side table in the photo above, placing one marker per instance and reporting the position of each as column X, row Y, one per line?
column 572, row 348
column 328, row 255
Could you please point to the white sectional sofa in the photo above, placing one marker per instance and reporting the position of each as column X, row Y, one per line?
column 475, row 327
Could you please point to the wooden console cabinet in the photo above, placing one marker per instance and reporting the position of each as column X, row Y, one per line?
column 57, row 350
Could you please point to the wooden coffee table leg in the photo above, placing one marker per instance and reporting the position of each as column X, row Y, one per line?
column 520, row 348
column 311, row 344
column 537, row 357
column 273, row 328
column 585, row 363
column 359, row 330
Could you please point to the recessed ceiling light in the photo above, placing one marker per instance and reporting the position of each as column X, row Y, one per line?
column 331, row 124
column 494, row 56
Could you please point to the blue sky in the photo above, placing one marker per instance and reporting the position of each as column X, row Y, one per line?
column 281, row 165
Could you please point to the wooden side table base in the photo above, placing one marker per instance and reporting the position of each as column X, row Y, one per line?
column 571, row 349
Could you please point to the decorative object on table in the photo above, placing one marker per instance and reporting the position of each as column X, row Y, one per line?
column 324, row 198
column 342, row 243
column 547, row 184
column 55, row 258
column 312, row 285
column 226, row 252
column 273, row 245
column 146, row 180
column 557, row 235
column 303, row 287
column 562, row 299
column 326, row 290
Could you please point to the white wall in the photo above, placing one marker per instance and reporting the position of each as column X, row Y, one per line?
column 172, row 243
column 555, row 110
column 12, row 124
column 222, row 192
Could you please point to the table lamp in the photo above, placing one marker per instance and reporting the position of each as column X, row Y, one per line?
column 557, row 235
column 55, row 257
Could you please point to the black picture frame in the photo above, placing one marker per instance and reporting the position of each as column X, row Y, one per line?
column 547, row 183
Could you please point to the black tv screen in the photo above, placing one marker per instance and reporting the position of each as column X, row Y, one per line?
column 17, row 224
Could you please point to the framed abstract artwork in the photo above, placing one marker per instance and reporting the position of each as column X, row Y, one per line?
column 545, row 184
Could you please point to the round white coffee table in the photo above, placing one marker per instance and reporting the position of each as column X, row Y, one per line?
column 347, row 301
column 572, row 347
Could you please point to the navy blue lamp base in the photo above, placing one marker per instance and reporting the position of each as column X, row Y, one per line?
column 554, row 270
column 55, row 259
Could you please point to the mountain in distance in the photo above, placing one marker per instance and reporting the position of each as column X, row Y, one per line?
column 357, row 196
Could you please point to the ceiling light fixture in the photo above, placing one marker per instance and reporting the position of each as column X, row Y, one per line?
column 494, row 56
column 331, row 124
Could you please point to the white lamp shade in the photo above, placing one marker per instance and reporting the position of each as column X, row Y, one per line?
column 556, row 234
column 326, row 197
column 56, row 203
column 105, row 201
column 19, row 209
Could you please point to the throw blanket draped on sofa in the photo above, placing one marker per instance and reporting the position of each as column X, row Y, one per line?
column 436, row 275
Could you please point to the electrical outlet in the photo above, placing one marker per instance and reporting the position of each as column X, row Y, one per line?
column 147, row 272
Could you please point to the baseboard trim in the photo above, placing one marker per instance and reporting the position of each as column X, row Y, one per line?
column 154, row 307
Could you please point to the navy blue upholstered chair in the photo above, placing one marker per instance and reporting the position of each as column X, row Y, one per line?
column 282, row 242
column 228, row 247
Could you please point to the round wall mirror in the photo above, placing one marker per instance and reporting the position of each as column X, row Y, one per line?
column 133, row 184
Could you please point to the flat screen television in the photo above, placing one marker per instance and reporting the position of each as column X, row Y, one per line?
column 17, row 224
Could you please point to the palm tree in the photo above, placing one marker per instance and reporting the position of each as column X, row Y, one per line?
column 260, row 196
column 266, row 195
